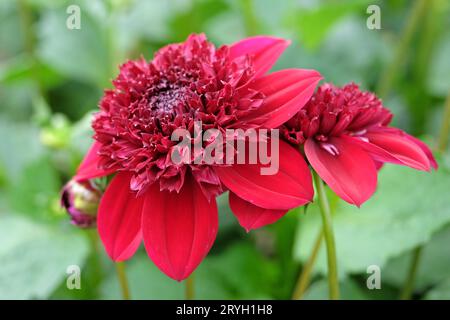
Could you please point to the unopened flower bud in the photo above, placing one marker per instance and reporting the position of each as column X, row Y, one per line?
column 81, row 200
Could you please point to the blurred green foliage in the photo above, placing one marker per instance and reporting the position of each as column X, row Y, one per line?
column 51, row 79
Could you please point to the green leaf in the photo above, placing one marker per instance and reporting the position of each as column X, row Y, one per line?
column 195, row 18
column 408, row 207
column 36, row 189
column 20, row 148
column 349, row 290
column 22, row 68
column 242, row 270
column 433, row 266
column 34, row 258
column 440, row 292
column 79, row 54
column 340, row 58
column 314, row 23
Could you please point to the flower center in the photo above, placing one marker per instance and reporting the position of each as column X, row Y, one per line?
column 170, row 99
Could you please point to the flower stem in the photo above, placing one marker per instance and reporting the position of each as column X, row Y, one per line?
column 250, row 19
column 442, row 145
column 305, row 275
column 189, row 289
column 327, row 224
column 95, row 258
column 445, row 128
column 122, row 276
column 387, row 78
column 410, row 279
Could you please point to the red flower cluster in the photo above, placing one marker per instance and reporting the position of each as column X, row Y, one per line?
column 346, row 138
column 343, row 132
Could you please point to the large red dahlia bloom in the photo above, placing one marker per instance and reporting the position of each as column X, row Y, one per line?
column 172, row 206
column 346, row 138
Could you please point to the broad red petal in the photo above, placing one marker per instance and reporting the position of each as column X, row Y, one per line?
column 400, row 146
column 286, row 91
column 265, row 51
column 250, row 216
column 179, row 229
column 290, row 187
column 351, row 174
column 89, row 168
column 119, row 218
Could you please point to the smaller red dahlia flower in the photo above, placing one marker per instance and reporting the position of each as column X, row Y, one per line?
column 171, row 206
column 346, row 138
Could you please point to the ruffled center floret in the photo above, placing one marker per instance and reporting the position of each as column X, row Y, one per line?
column 334, row 111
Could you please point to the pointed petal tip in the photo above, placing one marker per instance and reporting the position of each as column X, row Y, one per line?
column 265, row 51
column 396, row 146
column 286, row 92
column 290, row 187
column 252, row 217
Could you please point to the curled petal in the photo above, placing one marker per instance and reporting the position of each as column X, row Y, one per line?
column 179, row 229
column 119, row 218
column 265, row 51
column 89, row 168
column 349, row 170
column 290, row 187
column 399, row 148
column 286, row 92
column 250, row 216
column 425, row 149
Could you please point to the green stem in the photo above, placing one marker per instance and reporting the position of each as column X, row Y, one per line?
column 327, row 224
column 250, row 19
column 26, row 24
column 305, row 276
column 390, row 72
column 94, row 258
column 189, row 288
column 445, row 128
column 410, row 280
column 431, row 22
column 408, row 287
column 122, row 276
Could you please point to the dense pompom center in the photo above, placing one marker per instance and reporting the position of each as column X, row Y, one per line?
column 334, row 111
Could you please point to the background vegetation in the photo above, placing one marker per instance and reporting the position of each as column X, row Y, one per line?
column 51, row 79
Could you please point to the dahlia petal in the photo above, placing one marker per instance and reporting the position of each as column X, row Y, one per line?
column 351, row 174
column 179, row 229
column 119, row 218
column 265, row 51
column 250, row 216
column 422, row 145
column 286, row 92
column 379, row 155
column 89, row 168
column 290, row 187
column 400, row 146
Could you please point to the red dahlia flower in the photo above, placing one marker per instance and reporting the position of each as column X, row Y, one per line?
column 172, row 206
column 346, row 138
